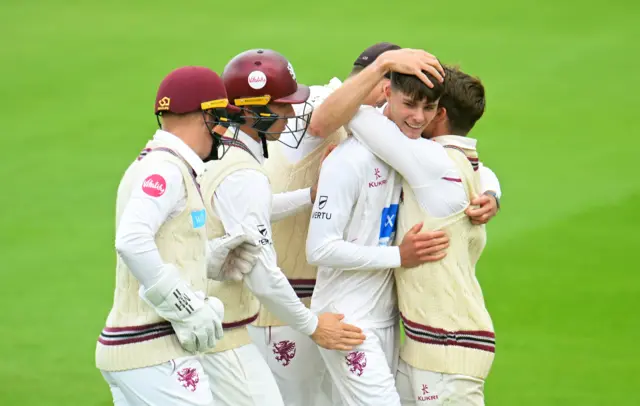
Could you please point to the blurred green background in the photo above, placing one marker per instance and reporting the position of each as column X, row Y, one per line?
column 77, row 85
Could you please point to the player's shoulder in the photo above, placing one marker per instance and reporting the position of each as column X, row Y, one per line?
column 147, row 179
column 250, row 179
column 352, row 149
column 352, row 155
column 148, row 166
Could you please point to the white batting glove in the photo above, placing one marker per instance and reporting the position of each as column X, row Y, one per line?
column 196, row 320
column 240, row 262
column 220, row 249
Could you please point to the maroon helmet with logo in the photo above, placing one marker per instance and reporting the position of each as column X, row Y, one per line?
column 191, row 89
column 257, row 77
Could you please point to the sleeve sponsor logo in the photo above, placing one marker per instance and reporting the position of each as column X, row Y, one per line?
column 154, row 185
column 264, row 234
column 322, row 202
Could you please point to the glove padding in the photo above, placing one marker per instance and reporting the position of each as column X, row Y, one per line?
column 196, row 319
column 231, row 255
column 240, row 262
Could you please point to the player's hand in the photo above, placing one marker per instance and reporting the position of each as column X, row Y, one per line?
column 412, row 62
column 196, row 320
column 220, row 248
column 417, row 248
column 333, row 334
column 314, row 188
column 487, row 210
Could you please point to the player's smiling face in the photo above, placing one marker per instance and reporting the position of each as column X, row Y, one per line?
column 411, row 116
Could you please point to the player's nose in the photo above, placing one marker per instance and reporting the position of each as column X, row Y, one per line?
column 417, row 117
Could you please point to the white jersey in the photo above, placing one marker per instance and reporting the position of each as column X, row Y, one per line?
column 352, row 227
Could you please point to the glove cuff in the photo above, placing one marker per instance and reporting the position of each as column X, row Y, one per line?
column 171, row 296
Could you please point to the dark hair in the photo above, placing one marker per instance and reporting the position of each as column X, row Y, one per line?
column 463, row 98
column 413, row 87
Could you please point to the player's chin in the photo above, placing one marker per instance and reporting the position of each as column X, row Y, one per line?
column 411, row 132
column 273, row 137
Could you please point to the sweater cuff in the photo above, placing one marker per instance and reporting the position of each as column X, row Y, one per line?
column 311, row 326
column 393, row 254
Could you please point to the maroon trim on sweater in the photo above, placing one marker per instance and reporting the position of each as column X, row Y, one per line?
column 240, row 323
column 134, row 334
column 303, row 287
column 476, row 339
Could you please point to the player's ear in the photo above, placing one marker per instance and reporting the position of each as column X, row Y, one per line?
column 441, row 114
column 386, row 88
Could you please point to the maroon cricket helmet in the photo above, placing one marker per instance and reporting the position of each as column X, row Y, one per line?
column 258, row 77
column 262, row 72
column 192, row 88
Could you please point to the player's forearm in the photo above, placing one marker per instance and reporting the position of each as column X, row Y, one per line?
column 349, row 256
column 340, row 107
column 289, row 203
column 271, row 287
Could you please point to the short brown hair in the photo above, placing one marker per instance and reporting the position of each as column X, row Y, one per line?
column 464, row 99
column 413, row 87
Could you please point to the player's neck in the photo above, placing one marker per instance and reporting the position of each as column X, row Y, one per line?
column 192, row 139
column 250, row 132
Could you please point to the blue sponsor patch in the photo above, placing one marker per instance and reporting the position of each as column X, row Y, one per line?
column 388, row 224
column 198, row 217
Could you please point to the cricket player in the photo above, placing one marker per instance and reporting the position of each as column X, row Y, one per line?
column 294, row 164
column 238, row 197
column 160, row 316
column 450, row 338
column 353, row 224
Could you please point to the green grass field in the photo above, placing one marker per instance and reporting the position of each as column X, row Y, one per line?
column 560, row 274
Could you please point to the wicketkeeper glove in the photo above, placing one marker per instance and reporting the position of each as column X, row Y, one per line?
column 196, row 319
column 231, row 256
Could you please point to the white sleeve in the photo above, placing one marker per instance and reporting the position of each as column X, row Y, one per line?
column 155, row 195
column 489, row 180
column 244, row 199
column 338, row 191
column 289, row 203
column 419, row 161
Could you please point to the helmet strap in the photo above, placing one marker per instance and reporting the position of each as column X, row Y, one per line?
column 265, row 150
column 264, row 120
column 215, row 135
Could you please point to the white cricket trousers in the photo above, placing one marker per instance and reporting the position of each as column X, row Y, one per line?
column 364, row 377
column 426, row 388
column 181, row 381
column 295, row 362
column 241, row 377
